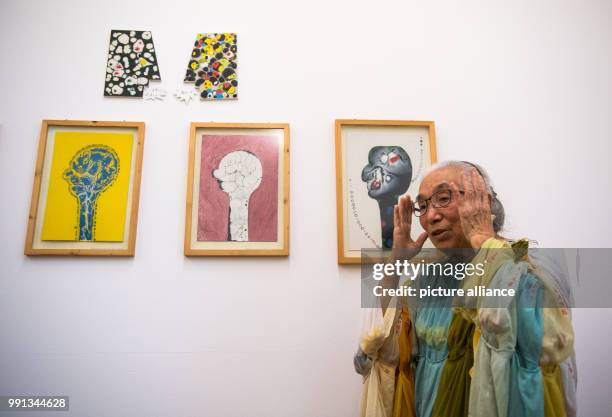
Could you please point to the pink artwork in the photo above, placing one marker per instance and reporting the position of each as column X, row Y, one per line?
column 238, row 188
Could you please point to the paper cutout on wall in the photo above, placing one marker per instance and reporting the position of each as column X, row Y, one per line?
column 213, row 66
column 153, row 94
column 185, row 95
column 88, row 187
column 131, row 63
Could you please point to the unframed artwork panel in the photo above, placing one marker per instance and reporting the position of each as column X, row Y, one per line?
column 213, row 66
column 131, row 63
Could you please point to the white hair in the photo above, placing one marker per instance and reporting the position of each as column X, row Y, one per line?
column 497, row 208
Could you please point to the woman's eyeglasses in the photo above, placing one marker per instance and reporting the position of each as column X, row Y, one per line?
column 438, row 199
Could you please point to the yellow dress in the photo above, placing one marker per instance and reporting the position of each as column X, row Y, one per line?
column 403, row 404
column 454, row 389
column 554, row 401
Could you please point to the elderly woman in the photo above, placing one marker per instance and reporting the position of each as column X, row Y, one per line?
column 478, row 356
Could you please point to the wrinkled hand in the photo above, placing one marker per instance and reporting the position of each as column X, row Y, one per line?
column 474, row 208
column 403, row 244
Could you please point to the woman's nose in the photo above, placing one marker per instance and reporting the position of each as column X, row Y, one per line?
column 433, row 214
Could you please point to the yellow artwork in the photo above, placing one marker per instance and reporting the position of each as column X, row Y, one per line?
column 88, row 187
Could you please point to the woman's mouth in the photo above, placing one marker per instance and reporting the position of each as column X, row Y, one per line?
column 439, row 233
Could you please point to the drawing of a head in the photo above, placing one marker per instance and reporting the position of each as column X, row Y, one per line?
column 91, row 171
column 388, row 173
column 239, row 174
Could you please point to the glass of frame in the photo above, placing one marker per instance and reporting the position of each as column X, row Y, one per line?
column 238, row 190
column 86, row 189
column 377, row 161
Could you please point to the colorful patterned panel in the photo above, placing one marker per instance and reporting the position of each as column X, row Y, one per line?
column 213, row 66
column 131, row 63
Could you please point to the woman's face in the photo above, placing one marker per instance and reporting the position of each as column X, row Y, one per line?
column 443, row 225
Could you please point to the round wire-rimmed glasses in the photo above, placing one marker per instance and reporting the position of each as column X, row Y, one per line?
column 438, row 199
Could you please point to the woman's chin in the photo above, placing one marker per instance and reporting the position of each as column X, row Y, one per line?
column 443, row 240
column 446, row 242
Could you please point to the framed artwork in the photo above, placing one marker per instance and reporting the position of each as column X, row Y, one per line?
column 238, row 190
column 377, row 161
column 86, row 189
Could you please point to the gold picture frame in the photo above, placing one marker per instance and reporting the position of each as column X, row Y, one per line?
column 230, row 216
column 363, row 220
column 106, row 221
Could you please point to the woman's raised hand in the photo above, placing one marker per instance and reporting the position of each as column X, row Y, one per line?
column 474, row 207
column 402, row 229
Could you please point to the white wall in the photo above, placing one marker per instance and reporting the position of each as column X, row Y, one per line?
column 522, row 87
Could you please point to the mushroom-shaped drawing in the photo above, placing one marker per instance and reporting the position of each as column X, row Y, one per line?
column 239, row 174
column 91, row 171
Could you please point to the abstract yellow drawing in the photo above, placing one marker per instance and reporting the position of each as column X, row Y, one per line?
column 88, row 187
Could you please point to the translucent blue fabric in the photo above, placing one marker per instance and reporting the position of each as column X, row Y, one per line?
column 526, row 386
column 432, row 320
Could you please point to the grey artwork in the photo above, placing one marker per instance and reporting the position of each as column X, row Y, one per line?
column 387, row 175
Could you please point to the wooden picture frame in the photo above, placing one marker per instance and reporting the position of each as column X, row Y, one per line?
column 399, row 150
column 86, row 189
column 237, row 190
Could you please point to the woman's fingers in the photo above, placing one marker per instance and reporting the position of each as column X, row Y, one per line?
column 403, row 208
column 402, row 217
column 409, row 208
column 400, row 214
column 481, row 189
column 457, row 193
column 468, row 186
column 421, row 240
column 396, row 216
